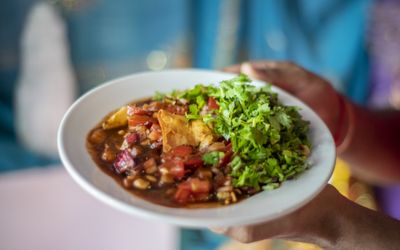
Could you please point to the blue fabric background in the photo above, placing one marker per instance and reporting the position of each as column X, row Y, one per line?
column 112, row 38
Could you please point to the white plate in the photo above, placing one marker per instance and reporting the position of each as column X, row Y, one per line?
column 88, row 110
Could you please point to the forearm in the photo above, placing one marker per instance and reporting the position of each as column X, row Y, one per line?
column 330, row 221
column 343, row 224
column 334, row 222
column 374, row 145
column 361, row 228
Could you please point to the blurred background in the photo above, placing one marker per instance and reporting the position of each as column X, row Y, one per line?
column 51, row 52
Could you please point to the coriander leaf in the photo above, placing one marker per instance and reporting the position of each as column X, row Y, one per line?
column 213, row 158
column 269, row 139
column 193, row 109
column 158, row 96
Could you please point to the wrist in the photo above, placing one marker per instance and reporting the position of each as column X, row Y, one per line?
column 323, row 223
column 345, row 125
column 329, row 232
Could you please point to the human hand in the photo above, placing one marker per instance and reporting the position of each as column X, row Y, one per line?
column 330, row 221
column 313, row 223
column 366, row 139
column 307, row 86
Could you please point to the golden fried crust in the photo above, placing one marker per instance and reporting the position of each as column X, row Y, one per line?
column 177, row 130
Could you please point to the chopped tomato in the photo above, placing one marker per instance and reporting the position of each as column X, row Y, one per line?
column 227, row 157
column 194, row 162
column 176, row 109
column 182, row 193
column 176, row 168
column 199, row 186
column 193, row 188
column 182, row 151
column 201, row 196
column 134, row 110
column 136, row 120
column 229, row 147
column 154, row 106
column 212, row 104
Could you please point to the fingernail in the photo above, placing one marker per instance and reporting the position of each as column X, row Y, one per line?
column 250, row 69
column 246, row 68
column 218, row 230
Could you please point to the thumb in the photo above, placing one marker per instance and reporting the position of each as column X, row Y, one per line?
column 281, row 74
column 252, row 71
column 271, row 73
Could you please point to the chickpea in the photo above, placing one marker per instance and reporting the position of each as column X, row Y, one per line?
column 151, row 169
column 141, row 184
column 166, row 179
column 223, row 195
column 233, row 196
column 150, row 166
column 151, row 178
column 127, row 183
column 164, row 170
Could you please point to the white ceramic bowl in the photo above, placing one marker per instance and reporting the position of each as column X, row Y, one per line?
column 88, row 110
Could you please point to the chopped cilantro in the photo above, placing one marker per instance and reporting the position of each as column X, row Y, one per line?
column 158, row 96
column 268, row 138
column 213, row 158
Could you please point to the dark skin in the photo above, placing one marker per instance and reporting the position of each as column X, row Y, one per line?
column 330, row 221
column 368, row 140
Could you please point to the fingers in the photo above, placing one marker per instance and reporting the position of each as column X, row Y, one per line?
column 298, row 225
column 258, row 70
column 242, row 234
column 257, row 64
column 251, row 233
column 233, row 69
column 219, row 230
column 264, row 72
column 285, row 75
column 301, row 83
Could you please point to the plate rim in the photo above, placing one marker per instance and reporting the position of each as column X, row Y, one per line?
column 187, row 222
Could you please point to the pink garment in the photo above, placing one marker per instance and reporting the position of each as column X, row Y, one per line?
column 384, row 39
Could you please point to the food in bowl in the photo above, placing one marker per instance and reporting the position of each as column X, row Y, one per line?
column 202, row 147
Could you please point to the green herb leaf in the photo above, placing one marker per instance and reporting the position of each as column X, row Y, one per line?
column 213, row 158
column 268, row 138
